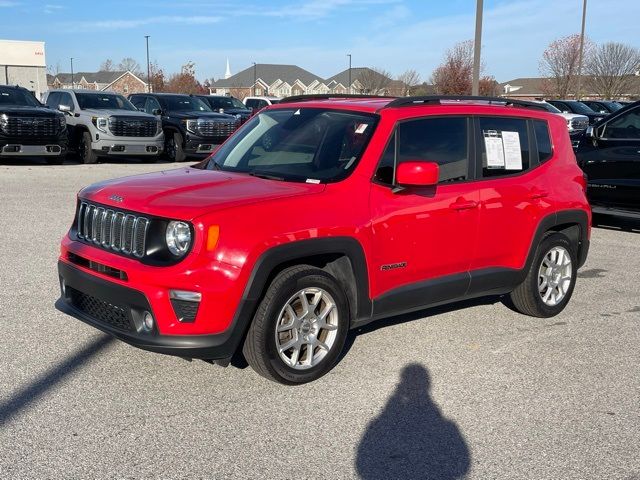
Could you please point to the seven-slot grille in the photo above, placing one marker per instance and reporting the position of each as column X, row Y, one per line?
column 112, row 230
column 214, row 128
column 32, row 126
column 133, row 127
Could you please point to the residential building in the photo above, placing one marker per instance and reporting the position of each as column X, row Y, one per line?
column 23, row 63
column 530, row 88
column 124, row 82
column 364, row 80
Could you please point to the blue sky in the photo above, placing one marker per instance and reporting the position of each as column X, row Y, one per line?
column 316, row 34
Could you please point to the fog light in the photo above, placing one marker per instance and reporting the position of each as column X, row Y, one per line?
column 147, row 322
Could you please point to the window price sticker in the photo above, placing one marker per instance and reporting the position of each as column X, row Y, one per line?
column 503, row 149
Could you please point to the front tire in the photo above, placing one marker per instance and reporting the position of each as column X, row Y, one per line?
column 550, row 281
column 86, row 154
column 174, row 148
column 300, row 327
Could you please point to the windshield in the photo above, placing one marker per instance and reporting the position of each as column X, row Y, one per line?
column 613, row 106
column 103, row 101
column 17, row 96
column 551, row 108
column 225, row 102
column 307, row 144
column 184, row 103
column 580, row 107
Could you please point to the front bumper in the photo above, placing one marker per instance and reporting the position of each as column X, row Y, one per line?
column 22, row 150
column 128, row 146
column 195, row 145
column 112, row 308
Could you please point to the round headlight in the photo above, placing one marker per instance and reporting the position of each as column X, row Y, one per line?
column 178, row 238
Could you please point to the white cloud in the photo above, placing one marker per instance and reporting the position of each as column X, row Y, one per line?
column 120, row 24
column 49, row 8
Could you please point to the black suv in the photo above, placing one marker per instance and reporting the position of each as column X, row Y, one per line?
column 28, row 128
column 602, row 106
column 609, row 154
column 573, row 106
column 228, row 105
column 191, row 128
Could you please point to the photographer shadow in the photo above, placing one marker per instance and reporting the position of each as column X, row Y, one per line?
column 411, row 439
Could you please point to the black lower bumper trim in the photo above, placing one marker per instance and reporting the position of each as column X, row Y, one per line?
column 209, row 347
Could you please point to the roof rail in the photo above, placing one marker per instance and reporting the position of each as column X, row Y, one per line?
column 437, row 99
column 328, row 96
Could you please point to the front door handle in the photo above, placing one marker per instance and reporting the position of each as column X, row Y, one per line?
column 461, row 204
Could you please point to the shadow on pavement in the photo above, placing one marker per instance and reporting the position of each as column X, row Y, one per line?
column 411, row 439
column 30, row 394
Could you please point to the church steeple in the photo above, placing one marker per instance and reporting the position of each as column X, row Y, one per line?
column 227, row 73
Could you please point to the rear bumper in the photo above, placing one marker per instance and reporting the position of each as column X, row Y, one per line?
column 125, row 304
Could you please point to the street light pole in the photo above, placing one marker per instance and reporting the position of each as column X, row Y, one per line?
column 72, row 73
column 254, row 78
column 584, row 15
column 475, row 86
column 349, row 55
column 148, row 66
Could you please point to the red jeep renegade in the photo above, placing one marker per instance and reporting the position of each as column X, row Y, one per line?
column 322, row 214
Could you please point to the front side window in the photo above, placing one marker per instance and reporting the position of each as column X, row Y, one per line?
column 625, row 126
column 65, row 99
column 138, row 101
column 504, row 146
column 442, row 140
column 103, row 101
column 304, row 144
column 152, row 106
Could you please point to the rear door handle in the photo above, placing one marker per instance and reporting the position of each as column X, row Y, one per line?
column 538, row 195
column 463, row 205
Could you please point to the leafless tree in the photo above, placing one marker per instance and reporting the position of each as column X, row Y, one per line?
column 374, row 81
column 107, row 65
column 130, row 64
column 611, row 69
column 454, row 75
column 559, row 64
column 54, row 69
column 408, row 80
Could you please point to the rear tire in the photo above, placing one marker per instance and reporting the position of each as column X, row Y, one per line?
column 314, row 334
column 86, row 154
column 551, row 279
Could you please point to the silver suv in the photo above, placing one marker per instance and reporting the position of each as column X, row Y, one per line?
column 102, row 124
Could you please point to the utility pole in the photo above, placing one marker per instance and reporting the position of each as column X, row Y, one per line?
column 584, row 16
column 255, row 78
column 475, row 86
column 148, row 66
column 71, row 72
column 349, row 55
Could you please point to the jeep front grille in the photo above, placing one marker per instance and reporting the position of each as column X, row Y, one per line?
column 133, row 127
column 31, row 126
column 112, row 230
column 212, row 128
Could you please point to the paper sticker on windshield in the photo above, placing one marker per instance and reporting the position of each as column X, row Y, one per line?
column 361, row 128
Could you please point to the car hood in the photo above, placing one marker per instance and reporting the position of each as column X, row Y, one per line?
column 105, row 112
column 187, row 193
column 32, row 111
column 198, row 114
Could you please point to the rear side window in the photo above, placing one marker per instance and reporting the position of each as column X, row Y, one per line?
column 442, row 140
column 504, row 146
column 543, row 140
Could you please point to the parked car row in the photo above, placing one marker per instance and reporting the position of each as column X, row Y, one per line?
column 97, row 125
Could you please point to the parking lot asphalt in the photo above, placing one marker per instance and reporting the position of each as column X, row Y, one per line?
column 468, row 391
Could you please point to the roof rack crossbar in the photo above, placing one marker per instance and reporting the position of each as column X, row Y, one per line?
column 328, row 96
column 437, row 99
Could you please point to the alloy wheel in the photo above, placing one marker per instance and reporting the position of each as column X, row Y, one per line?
column 554, row 276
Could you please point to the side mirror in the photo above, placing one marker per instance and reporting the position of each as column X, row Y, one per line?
column 590, row 132
column 419, row 174
column 221, row 110
column 157, row 111
column 65, row 109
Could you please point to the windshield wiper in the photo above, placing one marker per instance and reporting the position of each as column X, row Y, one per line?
column 265, row 175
